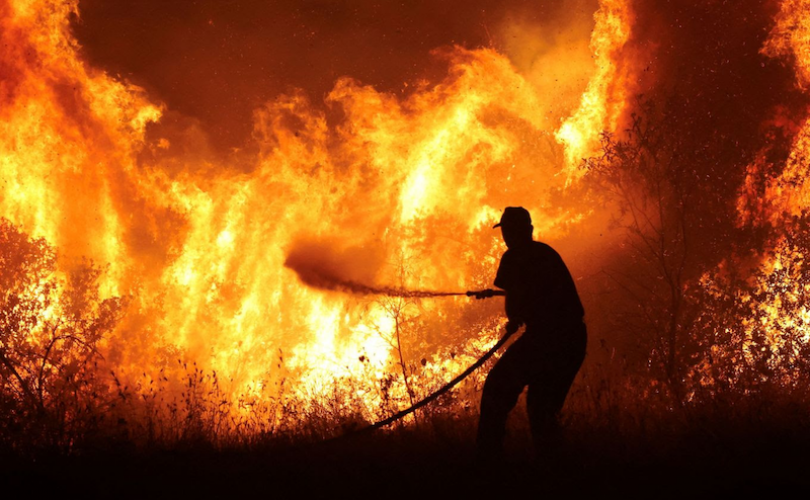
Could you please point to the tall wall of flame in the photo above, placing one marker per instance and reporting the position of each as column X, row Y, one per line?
column 67, row 138
column 400, row 190
column 386, row 188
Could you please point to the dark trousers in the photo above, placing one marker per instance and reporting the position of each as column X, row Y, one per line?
column 545, row 361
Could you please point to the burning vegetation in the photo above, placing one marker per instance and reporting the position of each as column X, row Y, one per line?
column 165, row 278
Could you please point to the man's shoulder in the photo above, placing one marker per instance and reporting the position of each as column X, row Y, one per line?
column 533, row 249
column 544, row 249
column 536, row 252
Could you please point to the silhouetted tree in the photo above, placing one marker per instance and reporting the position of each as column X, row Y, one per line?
column 647, row 173
column 397, row 309
column 50, row 325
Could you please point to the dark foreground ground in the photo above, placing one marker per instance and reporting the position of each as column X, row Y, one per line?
column 701, row 464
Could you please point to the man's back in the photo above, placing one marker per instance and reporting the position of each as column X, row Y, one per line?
column 540, row 289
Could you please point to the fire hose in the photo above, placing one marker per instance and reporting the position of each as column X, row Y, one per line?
column 449, row 385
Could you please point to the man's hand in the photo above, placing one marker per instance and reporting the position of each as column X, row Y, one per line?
column 512, row 327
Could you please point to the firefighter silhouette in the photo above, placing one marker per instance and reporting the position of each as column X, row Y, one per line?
column 541, row 295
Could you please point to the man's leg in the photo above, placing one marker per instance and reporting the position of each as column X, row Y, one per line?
column 502, row 388
column 544, row 401
column 556, row 370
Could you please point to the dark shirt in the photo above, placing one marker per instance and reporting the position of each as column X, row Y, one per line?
column 539, row 289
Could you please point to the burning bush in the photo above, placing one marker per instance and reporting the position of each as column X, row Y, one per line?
column 51, row 326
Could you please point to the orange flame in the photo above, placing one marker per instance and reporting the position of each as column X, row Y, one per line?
column 403, row 192
column 780, row 286
column 605, row 99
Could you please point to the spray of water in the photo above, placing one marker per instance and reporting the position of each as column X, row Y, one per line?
column 323, row 274
column 318, row 278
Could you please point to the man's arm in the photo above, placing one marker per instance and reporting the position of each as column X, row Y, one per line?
column 513, row 311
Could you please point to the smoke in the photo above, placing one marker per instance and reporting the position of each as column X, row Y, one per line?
column 216, row 62
column 536, row 38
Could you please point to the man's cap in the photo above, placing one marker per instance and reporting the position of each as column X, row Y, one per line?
column 515, row 217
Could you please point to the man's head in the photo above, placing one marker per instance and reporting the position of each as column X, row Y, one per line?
column 516, row 226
